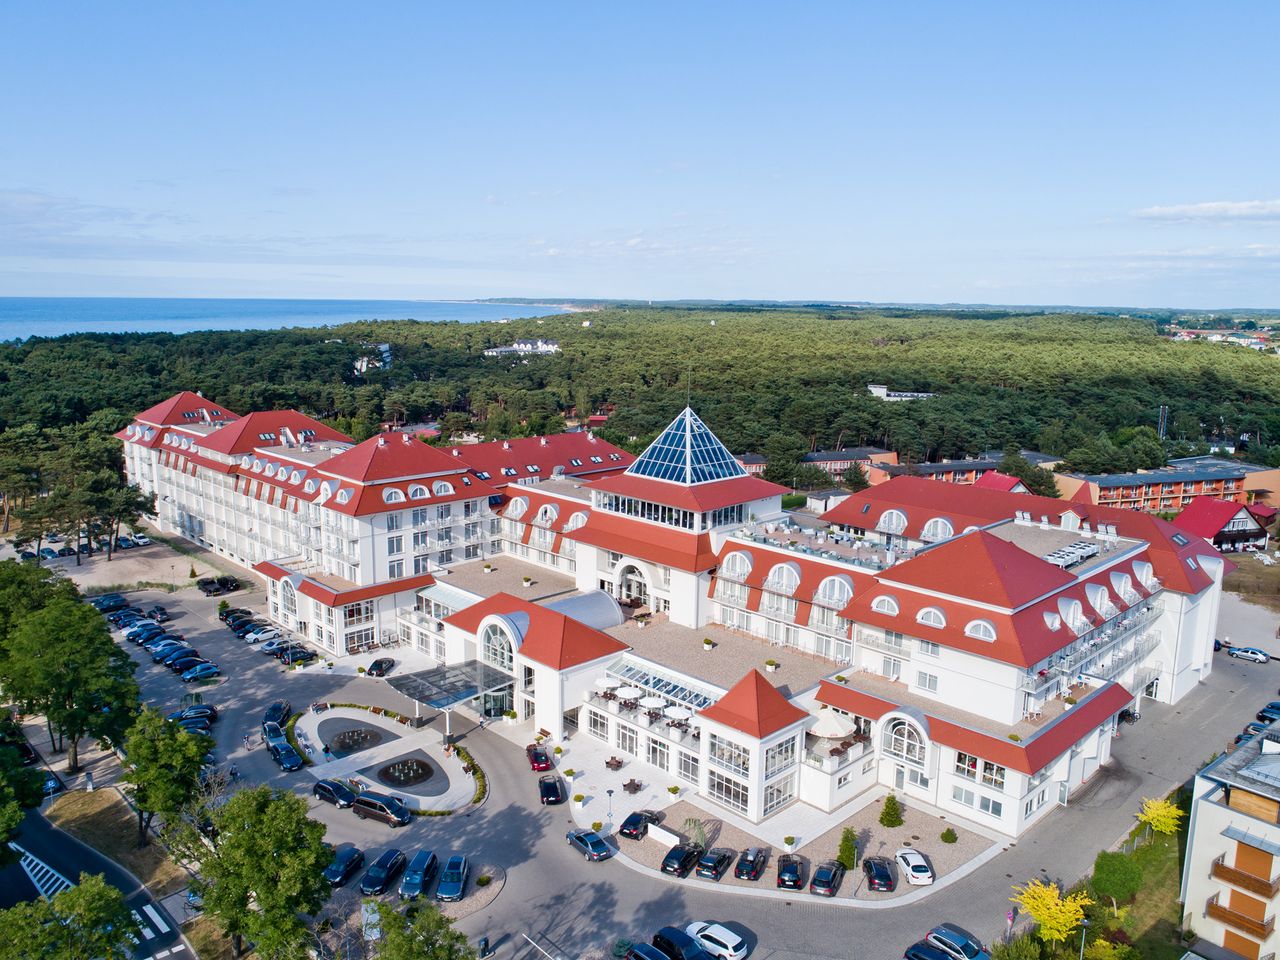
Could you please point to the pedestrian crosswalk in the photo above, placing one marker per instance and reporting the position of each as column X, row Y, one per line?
column 172, row 951
column 44, row 878
column 146, row 928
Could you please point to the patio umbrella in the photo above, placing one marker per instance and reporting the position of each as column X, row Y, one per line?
column 629, row 693
column 832, row 725
column 651, row 701
column 607, row 683
column 678, row 713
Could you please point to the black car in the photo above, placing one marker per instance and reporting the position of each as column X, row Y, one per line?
column 209, row 587
column 186, row 663
column 181, row 653
column 230, row 612
column 246, row 627
column 346, row 860
column 159, row 614
column 790, row 872
column 715, row 863
column 163, row 653
column 199, row 725
column 380, row 667
column 108, row 604
column 827, row 878
column 121, row 613
column 551, row 789
column 381, row 873
column 298, row 655
column 206, row 710
column 286, row 757
column 26, row 753
column 278, row 712
column 228, row 584
column 637, row 824
column 143, row 634
column 681, row 858
column 751, row 864
column 676, row 944
column 335, row 792
column 101, row 601
column 879, row 873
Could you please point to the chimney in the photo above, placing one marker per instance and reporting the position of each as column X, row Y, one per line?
column 382, row 441
column 456, row 452
column 506, row 445
column 542, row 441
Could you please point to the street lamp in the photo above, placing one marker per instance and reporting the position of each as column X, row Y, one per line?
column 1084, row 928
column 610, row 795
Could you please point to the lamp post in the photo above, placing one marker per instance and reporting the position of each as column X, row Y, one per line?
column 1084, row 928
column 609, row 793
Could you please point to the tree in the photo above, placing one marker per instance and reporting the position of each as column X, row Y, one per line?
column 1116, row 877
column 62, row 660
column 163, row 765
column 891, row 815
column 89, row 921
column 1161, row 815
column 848, row 854
column 425, row 934
column 1057, row 916
column 254, row 828
column 855, row 478
column 1037, row 480
column 21, row 789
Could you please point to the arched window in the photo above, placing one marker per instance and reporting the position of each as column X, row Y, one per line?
column 392, row 495
column 548, row 513
column 937, row 529
column 735, row 566
column 903, row 741
column 1146, row 575
column 246, row 462
column 295, row 477
column 932, row 617
column 257, row 466
column 1100, row 600
column 496, row 648
column 885, row 604
column 344, row 495
column 517, row 507
column 309, row 487
column 1072, row 613
column 1123, row 585
column 442, row 488
column 892, row 521
column 1052, row 620
column 288, row 601
column 418, row 492
column 575, row 521
column 834, row 592
column 783, row 578
column 980, row 630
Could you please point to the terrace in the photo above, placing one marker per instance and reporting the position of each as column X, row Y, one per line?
column 506, row 575
column 813, row 538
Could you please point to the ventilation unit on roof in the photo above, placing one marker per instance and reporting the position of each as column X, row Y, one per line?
column 456, row 452
column 382, row 441
column 406, row 438
column 542, row 441
column 591, row 437
column 506, row 444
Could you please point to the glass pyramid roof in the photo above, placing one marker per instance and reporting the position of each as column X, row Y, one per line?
column 687, row 452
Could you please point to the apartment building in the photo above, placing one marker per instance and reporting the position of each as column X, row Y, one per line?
column 1174, row 486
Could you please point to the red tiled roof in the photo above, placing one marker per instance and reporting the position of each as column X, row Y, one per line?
column 243, row 436
column 1083, row 495
column 331, row 597
column 545, row 453
column 551, row 638
column 755, row 707
column 389, row 456
column 1206, row 516
column 980, row 566
column 995, row 480
column 1262, row 513
column 170, row 412
column 646, row 541
column 698, row 498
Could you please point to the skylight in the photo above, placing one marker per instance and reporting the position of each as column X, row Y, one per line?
column 687, row 452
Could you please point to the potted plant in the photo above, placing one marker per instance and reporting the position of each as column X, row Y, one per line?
column 558, row 750
column 597, row 826
column 511, row 716
column 488, row 568
column 674, row 791
column 841, row 678
column 789, row 843
column 578, row 800
column 771, row 666
column 707, row 644
column 570, row 774
column 528, row 581
column 1069, row 702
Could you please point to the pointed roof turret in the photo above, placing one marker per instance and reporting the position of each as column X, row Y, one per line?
column 687, row 452
column 755, row 707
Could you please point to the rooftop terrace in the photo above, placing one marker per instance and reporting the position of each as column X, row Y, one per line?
column 809, row 535
column 507, row 576
column 1054, row 541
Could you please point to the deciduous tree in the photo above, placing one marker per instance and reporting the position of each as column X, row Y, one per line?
column 1161, row 815
column 425, row 934
column 1056, row 916
column 163, row 767
column 89, row 921
column 1117, row 877
column 21, row 788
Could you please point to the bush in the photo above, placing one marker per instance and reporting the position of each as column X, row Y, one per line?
column 789, row 841
column 359, row 669
column 558, row 750
column 1069, row 701
column 840, row 678
column 597, row 826
column 674, row 791
column 192, row 572
column 1025, row 947
column 1117, row 877
column 570, row 773
column 578, row 798
column 949, row 835
column 510, row 714
column 771, row 663
column 483, row 880
column 1015, row 738
column 848, row 854
column 891, row 815
column 224, row 606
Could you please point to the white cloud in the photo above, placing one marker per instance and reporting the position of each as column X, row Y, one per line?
column 1216, row 210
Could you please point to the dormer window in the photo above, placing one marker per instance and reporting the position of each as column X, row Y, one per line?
column 392, row 495
column 344, row 495
column 508, row 471
column 931, row 617
column 575, row 462
column 418, row 492
column 597, row 460
column 885, row 604
column 981, row 630
column 442, row 488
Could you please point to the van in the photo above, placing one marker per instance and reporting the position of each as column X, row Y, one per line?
column 418, row 875
column 379, row 806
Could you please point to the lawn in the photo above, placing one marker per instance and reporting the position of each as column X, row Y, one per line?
column 208, row 941
column 105, row 822
column 1154, row 917
column 1254, row 581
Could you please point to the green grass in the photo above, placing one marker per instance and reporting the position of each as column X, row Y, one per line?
column 1154, row 918
column 793, row 501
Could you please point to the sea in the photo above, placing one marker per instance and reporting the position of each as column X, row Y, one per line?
column 24, row 317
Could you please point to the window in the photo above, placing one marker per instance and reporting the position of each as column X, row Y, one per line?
column 892, row 521
column 918, row 779
column 903, row 741
column 418, row 492
column 927, row 681
column 419, row 518
column 547, row 515
column 891, row 668
column 869, row 764
column 886, row 605
column 1034, row 803
column 994, row 807
column 659, row 753
column 843, row 779
column 834, row 592
column 354, row 614
column 395, row 569
column 784, row 578
column 628, row 739
column 729, row 792
column 496, row 647
column 993, row 774
column 736, row 566
column 931, row 617
column 358, row 640
column 597, row 459
column 937, row 529
column 980, row 630
column 928, row 648
column 779, row 794
column 445, row 557
column 575, row 462
column 729, row 755
column 598, row 725
column 575, row 521
column 967, row 766
column 444, row 512
column 779, row 757
column 421, row 540
column 442, row 488
column 395, row 545
column 421, row 565
column 688, row 769
column 962, row 795
column 392, row 495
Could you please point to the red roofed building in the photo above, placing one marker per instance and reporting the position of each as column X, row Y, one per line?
column 528, row 460
column 1229, row 526
column 995, row 480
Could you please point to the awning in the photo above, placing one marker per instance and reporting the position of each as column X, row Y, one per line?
column 1252, row 840
column 443, row 687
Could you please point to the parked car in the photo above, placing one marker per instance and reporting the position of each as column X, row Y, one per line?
column 203, row 671
column 715, row 863
column 678, row 945
column 175, row 653
column 681, row 858
column 286, row 757
column 198, row 725
column 382, row 873
column 269, row 632
column 1267, row 715
column 827, row 878
column 790, row 872
column 957, row 942
column 159, row 614
column 914, row 867
column 66, row 551
column 924, row 951
column 229, row 584
column 417, row 876
column 209, row 587
column 273, row 733
column 1249, row 653
column 27, row 755
column 186, row 663
column 335, row 792
column 718, row 940
column 346, row 861
column 588, row 843
column 109, row 604
column 551, row 790
column 380, row 667
column 115, row 616
column 27, row 555
column 278, row 712
column 271, row 646
column 99, row 602
column 379, row 806
column 644, row 951
column 453, row 879
column 539, row 758
column 125, row 543
column 145, row 632
column 751, row 864
column 879, row 874
column 246, row 627
column 636, row 826
column 230, row 612
column 141, row 540
column 237, row 620
column 206, row 710
column 161, row 644
column 48, row 553
column 298, row 655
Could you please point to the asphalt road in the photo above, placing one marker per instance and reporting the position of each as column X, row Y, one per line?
column 570, row 906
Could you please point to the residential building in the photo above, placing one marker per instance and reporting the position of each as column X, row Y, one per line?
column 1226, row 524
column 882, row 392
column 836, row 462
column 995, row 480
column 526, row 347
column 753, row 463
column 1174, row 486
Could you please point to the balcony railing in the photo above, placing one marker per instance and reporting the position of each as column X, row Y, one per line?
column 1232, row 918
column 875, row 642
column 1095, row 646
column 1245, row 881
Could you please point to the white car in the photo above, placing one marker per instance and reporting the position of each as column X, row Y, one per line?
column 271, row 646
column 718, row 941
column 266, row 633
column 141, row 540
column 913, row 866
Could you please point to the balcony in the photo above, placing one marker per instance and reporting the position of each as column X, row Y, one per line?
column 895, row 648
column 1097, row 647
column 1245, row 881
column 1261, row 929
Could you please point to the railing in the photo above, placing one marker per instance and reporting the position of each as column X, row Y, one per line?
column 831, row 763
column 887, row 646
column 1232, row 918
column 1092, row 646
column 1246, row 881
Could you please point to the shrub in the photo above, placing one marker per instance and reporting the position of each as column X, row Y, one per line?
column 891, row 815
column 359, row 669
column 840, row 678
column 558, row 750
column 789, row 841
column 771, row 663
column 848, row 853
column 949, row 835
column 483, row 880
column 510, row 714
column 570, row 773
column 470, row 766
column 1015, row 738
column 192, row 572
column 1025, row 947
column 224, row 606
column 293, row 742
column 578, row 798
column 597, row 826
column 1117, row 877
column 1069, row 701
column 674, row 791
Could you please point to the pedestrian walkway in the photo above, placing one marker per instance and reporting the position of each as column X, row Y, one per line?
column 153, row 919
column 48, row 881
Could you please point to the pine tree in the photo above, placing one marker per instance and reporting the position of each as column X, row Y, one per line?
column 891, row 815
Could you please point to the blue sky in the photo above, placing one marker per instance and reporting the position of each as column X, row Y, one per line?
column 1004, row 153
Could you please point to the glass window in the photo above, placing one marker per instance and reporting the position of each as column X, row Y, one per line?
column 779, row 757
column 395, row 545
column 421, row 565
column 393, row 521
column 917, row 778
column 903, row 741
column 497, row 648
column 993, row 807
column 628, row 739
column 729, row 792
column 967, row 766
column 779, row 793
column 927, row 681
column 687, row 452
column 729, row 755
column 659, row 753
column 598, row 725
column 928, row 648
column 688, row 769
column 993, row 774
column 962, row 795
column 420, row 516
column 395, row 569
column 357, row 613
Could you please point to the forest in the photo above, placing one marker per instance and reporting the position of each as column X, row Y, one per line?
column 781, row 379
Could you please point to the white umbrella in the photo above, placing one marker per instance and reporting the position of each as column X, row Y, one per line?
column 832, row 725
column 629, row 693
column 678, row 713
column 607, row 683
column 651, row 701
